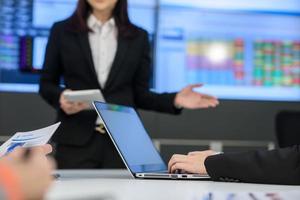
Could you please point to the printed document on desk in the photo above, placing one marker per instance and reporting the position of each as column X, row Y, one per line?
column 28, row 139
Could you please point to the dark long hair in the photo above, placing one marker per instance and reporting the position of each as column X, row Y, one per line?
column 78, row 20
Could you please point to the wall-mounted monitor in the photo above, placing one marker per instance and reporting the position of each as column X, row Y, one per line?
column 245, row 50
column 240, row 50
column 24, row 31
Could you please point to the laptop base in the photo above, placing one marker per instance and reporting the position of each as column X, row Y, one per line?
column 172, row 176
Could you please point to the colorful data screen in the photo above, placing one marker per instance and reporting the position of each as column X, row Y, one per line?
column 237, row 52
column 244, row 50
column 24, row 31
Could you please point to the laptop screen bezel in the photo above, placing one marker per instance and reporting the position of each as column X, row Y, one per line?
column 163, row 166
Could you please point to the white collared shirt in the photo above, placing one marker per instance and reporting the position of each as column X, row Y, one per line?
column 103, row 43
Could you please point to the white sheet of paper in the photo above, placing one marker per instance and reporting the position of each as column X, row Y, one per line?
column 87, row 96
column 28, row 139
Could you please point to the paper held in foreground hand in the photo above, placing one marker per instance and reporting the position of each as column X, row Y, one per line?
column 28, row 139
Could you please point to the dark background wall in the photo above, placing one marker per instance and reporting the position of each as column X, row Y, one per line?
column 232, row 120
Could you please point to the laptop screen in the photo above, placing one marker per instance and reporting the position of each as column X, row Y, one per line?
column 131, row 138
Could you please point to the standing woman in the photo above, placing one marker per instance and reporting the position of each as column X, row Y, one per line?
column 99, row 48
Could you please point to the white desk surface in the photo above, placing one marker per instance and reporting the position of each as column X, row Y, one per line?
column 118, row 185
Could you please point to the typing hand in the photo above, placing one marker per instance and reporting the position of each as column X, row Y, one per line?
column 191, row 163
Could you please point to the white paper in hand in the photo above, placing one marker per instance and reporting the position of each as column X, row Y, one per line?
column 87, row 96
column 28, row 139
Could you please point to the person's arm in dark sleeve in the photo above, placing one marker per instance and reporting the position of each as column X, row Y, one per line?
column 50, row 88
column 144, row 98
column 281, row 166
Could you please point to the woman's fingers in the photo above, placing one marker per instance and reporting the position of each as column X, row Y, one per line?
column 192, row 86
column 74, row 107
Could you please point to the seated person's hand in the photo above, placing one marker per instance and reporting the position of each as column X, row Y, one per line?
column 70, row 107
column 34, row 172
column 191, row 163
column 187, row 98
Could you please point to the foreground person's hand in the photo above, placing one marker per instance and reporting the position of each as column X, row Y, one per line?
column 33, row 172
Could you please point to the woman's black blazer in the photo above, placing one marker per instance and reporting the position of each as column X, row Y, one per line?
column 68, row 58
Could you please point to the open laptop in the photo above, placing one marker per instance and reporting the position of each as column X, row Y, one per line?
column 134, row 144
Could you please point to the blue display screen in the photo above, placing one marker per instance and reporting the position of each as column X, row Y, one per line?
column 247, row 50
column 24, row 31
column 131, row 138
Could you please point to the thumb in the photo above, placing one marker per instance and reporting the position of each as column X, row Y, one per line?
column 192, row 86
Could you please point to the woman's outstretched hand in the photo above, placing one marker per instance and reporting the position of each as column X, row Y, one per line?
column 187, row 98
